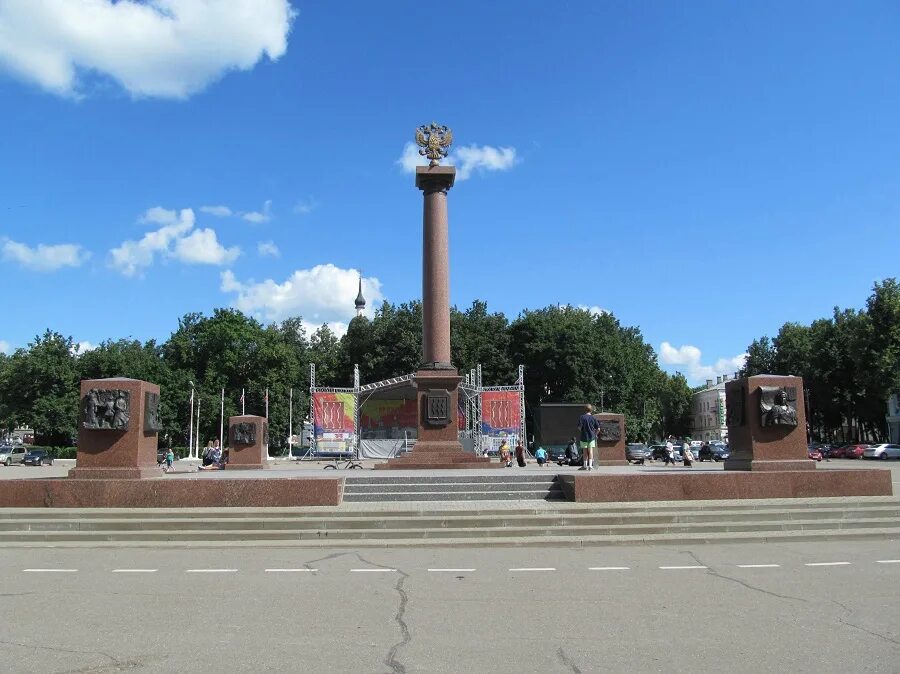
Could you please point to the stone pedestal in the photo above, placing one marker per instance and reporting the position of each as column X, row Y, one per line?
column 766, row 421
column 437, row 444
column 610, row 449
column 248, row 437
column 117, row 429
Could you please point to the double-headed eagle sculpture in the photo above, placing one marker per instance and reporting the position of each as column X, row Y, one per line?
column 435, row 141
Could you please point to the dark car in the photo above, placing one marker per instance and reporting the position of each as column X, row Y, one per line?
column 556, row 452
column 38, row 457
column 713, row 453
column 636, row 452
column 658, row 453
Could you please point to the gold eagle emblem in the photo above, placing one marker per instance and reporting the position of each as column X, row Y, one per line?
column 434, row 141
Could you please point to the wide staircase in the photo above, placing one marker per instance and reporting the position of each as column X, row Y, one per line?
column 459, row 487
column 511, row 523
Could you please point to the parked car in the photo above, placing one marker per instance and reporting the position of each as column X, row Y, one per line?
column 12, row 454
column 37, row 457
column 636, row 452
column 882, row 451
column 854, row 451
column 836, row 452
column 713, row 453
column 555, row 452
column 658, row 453
column 814, row 453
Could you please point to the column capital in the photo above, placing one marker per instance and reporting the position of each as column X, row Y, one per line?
column 435, row 178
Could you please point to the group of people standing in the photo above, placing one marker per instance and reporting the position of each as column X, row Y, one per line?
column 687, row 454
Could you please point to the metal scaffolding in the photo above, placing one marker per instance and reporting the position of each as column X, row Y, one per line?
column 471, row 389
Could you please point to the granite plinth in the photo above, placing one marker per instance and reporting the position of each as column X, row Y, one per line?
column 244, row 455
column 437, row 445
column 755, row 447
column 170, row 493
column 106, row 453
column 720, row 486
column 611, row 452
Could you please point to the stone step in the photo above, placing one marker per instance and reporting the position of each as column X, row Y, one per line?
column 448, row 479
column 498, row 495
column 627, row 508
column 463, row 521
column 350, row 488
column 399, row 535
column 841, row 535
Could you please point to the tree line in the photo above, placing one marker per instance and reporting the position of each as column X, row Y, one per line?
column 569, row 354
column 850, row 364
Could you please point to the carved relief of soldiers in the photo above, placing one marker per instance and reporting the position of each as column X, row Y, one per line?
column 120, row 416
column 92, row 402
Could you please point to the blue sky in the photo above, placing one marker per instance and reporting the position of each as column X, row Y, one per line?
column 705, row 171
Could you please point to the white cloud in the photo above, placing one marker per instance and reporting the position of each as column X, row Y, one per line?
column 689, row 357
column 164, row 48
column 5, row 346
column 595, row 310
column 176, row 239
column 323, row 294
column 468, row 159
column 258, row 217
column 202, row 247
column 44, row 257
column 305, row 206
column 218, row 211
column 264, row 248
column 82, row 347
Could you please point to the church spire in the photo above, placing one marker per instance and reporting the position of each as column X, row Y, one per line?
column 360, row 300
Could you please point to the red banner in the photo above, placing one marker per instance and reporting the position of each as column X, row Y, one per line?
column 500, row 414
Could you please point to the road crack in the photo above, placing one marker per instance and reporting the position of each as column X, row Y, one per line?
column 712, row 572
column 114, row 664
column 566, row 662
column 849, row 611
column 390, row 659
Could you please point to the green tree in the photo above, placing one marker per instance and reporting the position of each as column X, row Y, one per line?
column 40, row 389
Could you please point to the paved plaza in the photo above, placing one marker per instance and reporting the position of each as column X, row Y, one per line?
column 284, row 468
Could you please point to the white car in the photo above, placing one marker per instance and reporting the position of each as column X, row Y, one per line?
column 10, row 455
column 883, row 451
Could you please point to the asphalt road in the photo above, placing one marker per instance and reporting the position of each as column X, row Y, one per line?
column 802, row 607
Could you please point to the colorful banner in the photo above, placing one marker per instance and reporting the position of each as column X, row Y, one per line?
column 500, row 414
column 333, row 415
column 388, row 419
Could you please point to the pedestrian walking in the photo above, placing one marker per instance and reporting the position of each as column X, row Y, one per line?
column 170, row 459
column 520, row 455
column 687, row 455
column 686, row 451
column 670, row 451
column 587, row 428
column 541, row 456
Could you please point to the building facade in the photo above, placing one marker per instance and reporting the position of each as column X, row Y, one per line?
column 708, row 412
column 893, row 418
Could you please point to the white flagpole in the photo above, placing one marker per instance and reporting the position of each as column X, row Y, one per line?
column 197, row 438
column 243, row 411
column 191, row 426
column 267, row 418
column 291, row 424
column 222, row 422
